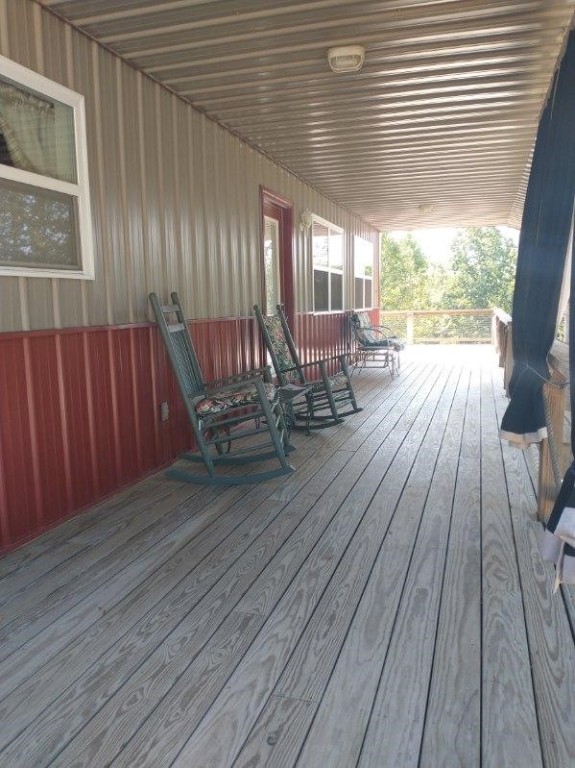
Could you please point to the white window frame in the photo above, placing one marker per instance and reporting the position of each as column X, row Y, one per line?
column 333, row 228
column 359, row 243
column 80, row 192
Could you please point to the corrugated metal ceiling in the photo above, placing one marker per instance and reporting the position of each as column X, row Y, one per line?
column 436, row 129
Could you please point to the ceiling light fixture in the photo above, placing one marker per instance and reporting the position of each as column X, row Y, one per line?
column 346, row 58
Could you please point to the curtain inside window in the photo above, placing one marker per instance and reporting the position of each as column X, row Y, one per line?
column 38, row 133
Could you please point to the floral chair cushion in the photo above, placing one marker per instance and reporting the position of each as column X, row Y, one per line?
column 281, row 349
column 234, row 398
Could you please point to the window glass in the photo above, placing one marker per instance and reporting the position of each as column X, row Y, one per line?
column 45, row 221
column 321, row 290
column 271, row 265
column 38, row 133
column 363, row 272
column 336, row 251
column 327, row 257
column 37, row 227
column 358, row 294
column 336, row 291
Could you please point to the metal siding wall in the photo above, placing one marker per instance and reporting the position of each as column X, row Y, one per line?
column 176, row 206
column 80, row 413
column 175, row 198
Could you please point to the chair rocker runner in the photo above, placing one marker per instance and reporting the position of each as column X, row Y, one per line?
column 236, row 420
column 327, row 394
column 375, row 343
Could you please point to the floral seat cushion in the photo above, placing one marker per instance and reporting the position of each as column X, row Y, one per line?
column 234, row 398
column 339, row 381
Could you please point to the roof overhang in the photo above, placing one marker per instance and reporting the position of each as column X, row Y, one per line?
column 436, row 129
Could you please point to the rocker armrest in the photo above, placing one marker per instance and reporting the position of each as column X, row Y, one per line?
column 231, row 382
column 292, row 368
column 323, row 360
column 380, row 330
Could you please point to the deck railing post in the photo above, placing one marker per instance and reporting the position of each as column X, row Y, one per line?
column 552, row 455
column 508, row 361
column 410, row 322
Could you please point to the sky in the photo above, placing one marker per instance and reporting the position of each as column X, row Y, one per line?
column 436, row 243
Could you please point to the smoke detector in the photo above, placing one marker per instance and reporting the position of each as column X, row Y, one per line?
column 346, row 58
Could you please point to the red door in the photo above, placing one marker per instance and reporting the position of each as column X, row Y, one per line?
column 277, row 253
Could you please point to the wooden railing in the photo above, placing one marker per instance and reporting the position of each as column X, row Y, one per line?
column 554, row 451
column 441, row 326
column 502, row 334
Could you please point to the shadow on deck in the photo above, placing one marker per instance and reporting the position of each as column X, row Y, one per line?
column 384, row 606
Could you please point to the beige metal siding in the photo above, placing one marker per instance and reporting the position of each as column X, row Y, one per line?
column 175, row 198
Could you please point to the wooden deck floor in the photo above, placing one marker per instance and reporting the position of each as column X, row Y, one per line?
column 384, row 607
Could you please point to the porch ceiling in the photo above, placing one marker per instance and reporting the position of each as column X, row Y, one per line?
column 437, row 128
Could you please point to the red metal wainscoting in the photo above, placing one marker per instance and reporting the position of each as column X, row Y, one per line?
column 322, row 335
column 80, row 409
column 78, row 420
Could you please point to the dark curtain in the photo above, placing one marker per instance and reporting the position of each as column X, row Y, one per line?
column 543, row 242
column 543, row 251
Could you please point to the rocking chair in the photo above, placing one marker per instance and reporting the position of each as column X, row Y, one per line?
column 239, row 410
column 326, row 394
column 375, row 343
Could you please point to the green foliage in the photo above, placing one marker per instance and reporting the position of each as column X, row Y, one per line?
column 481, row 273
column 403, row 274
column 482, row 270
column 36, row 227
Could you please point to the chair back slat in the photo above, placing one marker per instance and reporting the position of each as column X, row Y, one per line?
column 326, row 392
column 179, row 346
column 280, row 346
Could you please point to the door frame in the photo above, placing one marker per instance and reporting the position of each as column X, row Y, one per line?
column 280, row 208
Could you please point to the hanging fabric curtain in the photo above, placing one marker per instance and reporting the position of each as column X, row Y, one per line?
column 543, row 250
column 543, row 241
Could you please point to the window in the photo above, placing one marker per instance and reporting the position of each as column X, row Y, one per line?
column 327, row 254
column 271, row 265
column 45, row 221
column 363, row 273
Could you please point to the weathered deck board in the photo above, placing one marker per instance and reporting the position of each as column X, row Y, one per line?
column 305, row 566
column 398, row 717
column 508, row 735
column 367, row 652
column 337, row 620
column 383, row 606
column 551, row 645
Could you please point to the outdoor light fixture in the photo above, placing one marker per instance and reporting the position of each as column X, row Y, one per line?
column 305, row 220
column 346, row 58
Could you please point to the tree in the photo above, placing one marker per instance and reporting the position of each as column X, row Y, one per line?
column 482, row 270
column 403, row 274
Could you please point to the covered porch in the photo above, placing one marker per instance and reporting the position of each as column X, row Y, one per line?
column 386, row 605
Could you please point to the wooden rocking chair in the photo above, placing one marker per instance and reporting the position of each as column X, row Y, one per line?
column 326, row 394
column 375, row 343
column 235, row 420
